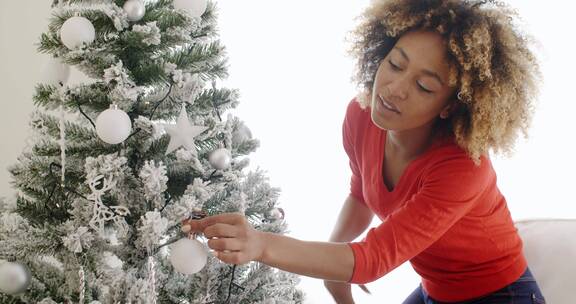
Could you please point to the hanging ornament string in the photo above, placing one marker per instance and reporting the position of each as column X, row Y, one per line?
column 152, row 278
column 82, row 285
column 62, row 144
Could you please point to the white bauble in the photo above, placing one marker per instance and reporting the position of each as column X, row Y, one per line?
column 14, row 278
column 47, row 300
column 76, row 31
column 113, row 126
column 240, row 135
column 135, row 9
column 195, row 8
column 188, row 256
column 220, row 159
column 277, row 213
column 55, row 72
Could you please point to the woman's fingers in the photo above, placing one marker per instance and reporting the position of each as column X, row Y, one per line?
column 231, row 237
column 221, row 231
column 200, row 225
column 226, row 244
column 232, row 257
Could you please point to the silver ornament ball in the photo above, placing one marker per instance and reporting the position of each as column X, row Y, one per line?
column 14, row 278
column 77, row 31
column 194, row 8
column 220, row 159
column 113, row 126
column 135, row 9
column 277, row 213
column 240, row 135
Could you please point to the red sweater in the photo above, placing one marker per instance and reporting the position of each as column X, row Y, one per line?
column 445, row 215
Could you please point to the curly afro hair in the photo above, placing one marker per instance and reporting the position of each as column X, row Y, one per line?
column 493, row 71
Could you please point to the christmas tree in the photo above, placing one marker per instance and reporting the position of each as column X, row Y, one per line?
column 117, row 163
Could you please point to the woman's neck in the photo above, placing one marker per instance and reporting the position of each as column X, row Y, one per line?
column 409, row 144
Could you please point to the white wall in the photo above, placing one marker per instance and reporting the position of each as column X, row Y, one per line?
column 287, row 59
column 21, row 23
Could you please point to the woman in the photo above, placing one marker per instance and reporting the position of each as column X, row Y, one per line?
column 444, row 82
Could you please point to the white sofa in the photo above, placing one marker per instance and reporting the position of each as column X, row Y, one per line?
column 550, row 248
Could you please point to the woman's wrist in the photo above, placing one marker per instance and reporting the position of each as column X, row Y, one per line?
column 323, row 260
column 263, row 239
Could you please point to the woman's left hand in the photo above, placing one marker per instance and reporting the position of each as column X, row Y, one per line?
column 232, row 238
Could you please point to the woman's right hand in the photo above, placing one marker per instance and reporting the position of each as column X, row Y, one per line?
column 340, row 291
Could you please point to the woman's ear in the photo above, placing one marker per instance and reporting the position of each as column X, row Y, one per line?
column 446, row 111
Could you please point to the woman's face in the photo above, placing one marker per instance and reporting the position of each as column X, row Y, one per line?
column 411, row 85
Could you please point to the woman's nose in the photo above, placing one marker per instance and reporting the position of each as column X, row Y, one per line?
column 397, row 89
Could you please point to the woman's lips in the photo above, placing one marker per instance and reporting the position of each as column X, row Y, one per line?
column 387, row 105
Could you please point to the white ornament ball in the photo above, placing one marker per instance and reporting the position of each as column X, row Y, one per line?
column 47, row 300
column 220, row 159
column 194, row 8
column 14, row 278
column 113, row 126
column 135, row 9
column 77, row 31
column 277, row 213
column 240, row 135
column 55, row 72
column 188, row 256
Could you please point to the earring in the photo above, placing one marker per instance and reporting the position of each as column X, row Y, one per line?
column 459, row 96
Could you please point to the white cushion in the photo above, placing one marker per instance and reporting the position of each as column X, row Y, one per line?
column 550, row 248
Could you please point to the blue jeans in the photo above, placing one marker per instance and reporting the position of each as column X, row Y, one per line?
column 525, row 290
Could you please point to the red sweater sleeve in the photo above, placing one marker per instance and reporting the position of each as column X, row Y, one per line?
column 450, row 188
column 350, row 125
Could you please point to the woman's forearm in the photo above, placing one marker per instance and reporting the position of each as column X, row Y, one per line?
column 353, row 219
column 323, row 260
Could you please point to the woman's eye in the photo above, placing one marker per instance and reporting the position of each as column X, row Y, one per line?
column 394, row 67
column 423, row 88
column 397, row 68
